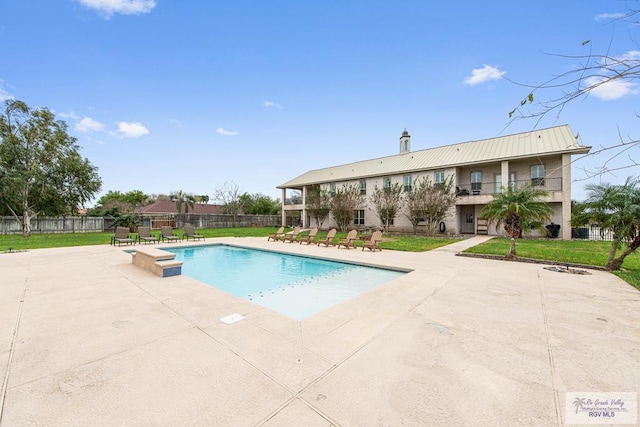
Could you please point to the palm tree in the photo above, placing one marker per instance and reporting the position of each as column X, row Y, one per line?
column 616, row 208
column 516, row 209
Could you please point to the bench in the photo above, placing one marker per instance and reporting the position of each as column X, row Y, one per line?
column 159, row 262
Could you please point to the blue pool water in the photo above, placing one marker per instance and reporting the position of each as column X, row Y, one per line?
column 292, row 285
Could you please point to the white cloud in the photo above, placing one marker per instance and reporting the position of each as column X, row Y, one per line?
column 87, row 125
column 4, row 95
column 125, row 7
column 632, row 55
column 224, row 132
column 70, row 115
column 131, row 130
column 610, row 16
column 270, row 106
column 484, row 74
column 612, row 89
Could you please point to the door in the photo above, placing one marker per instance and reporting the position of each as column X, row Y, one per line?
column 468, row 220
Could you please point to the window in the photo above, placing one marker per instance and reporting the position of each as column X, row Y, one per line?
column 476, row 182
column 512, row 180
column 438, row 179
column 406, row 180
column 498, row 183
column 332, row 188
column 386, row 182
column 358, row 217
column 363, row 187
column 537, row 175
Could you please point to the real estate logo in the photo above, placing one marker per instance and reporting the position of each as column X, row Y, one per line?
column 591, row 407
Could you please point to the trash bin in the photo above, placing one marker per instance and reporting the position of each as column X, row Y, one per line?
column 553, row 230
column 580, row 233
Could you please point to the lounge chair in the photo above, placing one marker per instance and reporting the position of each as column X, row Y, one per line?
column 309, row 238
column 190, row 233
column 349, row 241
column 277, row 235
column 374, row 243
column 144, row 235
column 291, row 236
column 328, row 240
column 167, row 234
column 122, row 236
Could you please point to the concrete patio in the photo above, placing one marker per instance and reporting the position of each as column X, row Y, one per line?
column 86, row 338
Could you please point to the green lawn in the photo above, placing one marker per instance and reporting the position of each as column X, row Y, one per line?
column 576, row 251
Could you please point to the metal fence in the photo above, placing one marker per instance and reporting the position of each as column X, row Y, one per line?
column 82, row 224
column 591, row 233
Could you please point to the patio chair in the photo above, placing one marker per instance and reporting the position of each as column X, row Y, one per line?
column 309, row 238
column 374, row 243
column 190, row 233
column 291, row 236
column 144, row 235
column 328, row 240
column 167, row 234
column 349, row 241
column 277, row 235
column 122, row 236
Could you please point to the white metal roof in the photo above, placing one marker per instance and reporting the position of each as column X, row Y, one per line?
column 543, row 142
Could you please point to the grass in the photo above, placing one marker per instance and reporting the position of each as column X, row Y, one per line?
column 37, row 241
column 574, row 251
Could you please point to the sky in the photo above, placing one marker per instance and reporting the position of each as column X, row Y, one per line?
column 166, row 95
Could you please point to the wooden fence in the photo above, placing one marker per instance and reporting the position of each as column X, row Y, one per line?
column 82, row 224
column 50, row 225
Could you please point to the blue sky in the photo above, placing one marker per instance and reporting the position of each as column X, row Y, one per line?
column 167, row 95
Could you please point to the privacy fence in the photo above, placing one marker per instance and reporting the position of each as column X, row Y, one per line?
column 82, row 224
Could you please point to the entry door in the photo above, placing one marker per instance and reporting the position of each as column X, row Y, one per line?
column 468, row 221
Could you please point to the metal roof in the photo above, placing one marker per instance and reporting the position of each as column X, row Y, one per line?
column 543, row 142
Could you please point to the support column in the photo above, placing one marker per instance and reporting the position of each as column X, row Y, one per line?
column 305, row 223
column 504, row 173
column 283, row 214
column 566, row 197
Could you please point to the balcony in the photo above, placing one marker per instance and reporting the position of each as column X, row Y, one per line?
column 489, row 188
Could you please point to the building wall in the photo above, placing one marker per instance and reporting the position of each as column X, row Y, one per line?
column 472, row 204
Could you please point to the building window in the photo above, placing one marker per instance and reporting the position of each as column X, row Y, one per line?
column 386, row 183
column 537, row 175
column 438, row 179
column 363, row 187
column 476, row 182
column 358, row 217
column 332, row 189
column 406, row 183
column 497, row 179
column 512, row 180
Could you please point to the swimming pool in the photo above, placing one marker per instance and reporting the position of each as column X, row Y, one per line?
column 295, row 286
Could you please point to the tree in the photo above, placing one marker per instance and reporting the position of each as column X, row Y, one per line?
column 517, row 209
column 116, row 201
column 258, row 204
column 615, row 208
column 588, row 74
column 229, row 197
column 41, row 170
column 318, row 204
column 183, row 200
column 343, row 204
column 387, row 203
column 430, row 203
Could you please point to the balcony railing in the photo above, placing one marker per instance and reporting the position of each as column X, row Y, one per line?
column 479, row 188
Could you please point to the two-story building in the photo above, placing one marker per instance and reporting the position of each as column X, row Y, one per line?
column 479, row 169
